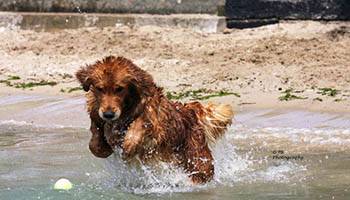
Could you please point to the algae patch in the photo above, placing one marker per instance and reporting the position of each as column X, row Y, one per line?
column 200, row 94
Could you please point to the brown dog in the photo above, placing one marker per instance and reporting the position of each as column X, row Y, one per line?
column 130, row 112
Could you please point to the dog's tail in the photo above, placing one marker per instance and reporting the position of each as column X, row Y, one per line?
column 214, row 117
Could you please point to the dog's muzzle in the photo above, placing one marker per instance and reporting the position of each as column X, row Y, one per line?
column 108, row 115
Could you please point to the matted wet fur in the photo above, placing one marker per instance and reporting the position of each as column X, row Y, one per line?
column 130, row 112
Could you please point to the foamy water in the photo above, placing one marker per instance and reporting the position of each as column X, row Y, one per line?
column 233, row 165
column 264, row 155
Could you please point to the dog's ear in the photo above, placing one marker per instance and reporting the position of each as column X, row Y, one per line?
column 138, row 87
column 83, row 75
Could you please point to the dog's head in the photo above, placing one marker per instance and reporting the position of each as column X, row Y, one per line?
column 116, row 84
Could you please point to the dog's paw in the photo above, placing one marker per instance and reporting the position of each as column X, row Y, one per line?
column 111, row 142
column 129, row 149
column 99, row 147
column 131, row 142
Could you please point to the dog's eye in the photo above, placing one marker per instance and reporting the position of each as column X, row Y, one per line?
column 119, row 89
column 99, row 89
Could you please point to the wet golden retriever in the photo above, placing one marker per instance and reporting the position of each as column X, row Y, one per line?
column 130, row 112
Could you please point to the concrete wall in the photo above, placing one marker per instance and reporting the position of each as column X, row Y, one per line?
column 288, row 9
column 114, row 6
column 253, row 13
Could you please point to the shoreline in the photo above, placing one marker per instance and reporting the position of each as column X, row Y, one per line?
column 244, row 103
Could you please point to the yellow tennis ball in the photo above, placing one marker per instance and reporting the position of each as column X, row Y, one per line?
column 63, row 184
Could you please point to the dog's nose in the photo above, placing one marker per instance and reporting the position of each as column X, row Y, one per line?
column 108, row 115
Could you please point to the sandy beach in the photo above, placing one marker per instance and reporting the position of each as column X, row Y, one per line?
column 288, row 83
column 293, row 64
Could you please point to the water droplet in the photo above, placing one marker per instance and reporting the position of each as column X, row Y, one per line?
column 78, row 8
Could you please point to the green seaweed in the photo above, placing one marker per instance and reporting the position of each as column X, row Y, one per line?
column 182, row 95
column 7, row 82
column 318, row 99
column 289, row 96
column 34, row 84
column 219, row 94
column 74, row 89
column 328, row 92
column 200, row 94
column 339, row 100
column 14, row 78
column 25, row 85
column 70, row 90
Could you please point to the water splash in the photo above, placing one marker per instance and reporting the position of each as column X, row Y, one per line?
column 233, row 165
column 141, row 179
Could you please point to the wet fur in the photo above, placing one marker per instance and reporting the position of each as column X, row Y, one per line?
column 148, row 124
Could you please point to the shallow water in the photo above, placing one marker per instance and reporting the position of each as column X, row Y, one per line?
column 266, row 154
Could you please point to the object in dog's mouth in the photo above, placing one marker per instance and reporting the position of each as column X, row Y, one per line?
column 130, row 112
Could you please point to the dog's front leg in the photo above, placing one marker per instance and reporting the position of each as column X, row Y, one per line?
column 108, row 133
column 98, row 144
column 133, row 139
column 114, row 139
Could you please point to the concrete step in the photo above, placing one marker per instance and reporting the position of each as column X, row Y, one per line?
column 54, row 21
